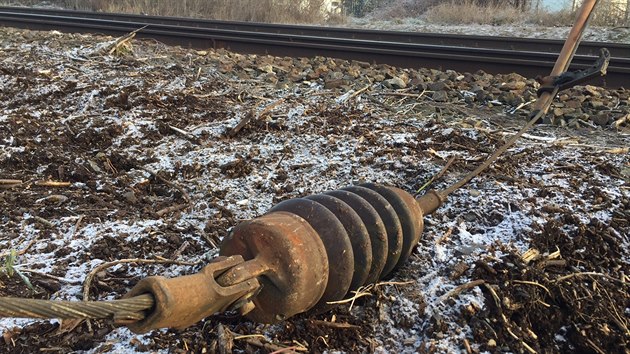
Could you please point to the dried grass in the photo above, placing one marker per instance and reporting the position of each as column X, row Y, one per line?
column 396, row 9
column 543, row 17
column 470, row 12
column 272, row 11
column 609, row 13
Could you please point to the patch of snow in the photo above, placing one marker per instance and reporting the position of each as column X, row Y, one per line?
column 122, row 340
column 519, row 30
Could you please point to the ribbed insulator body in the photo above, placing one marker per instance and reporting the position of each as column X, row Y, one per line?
column 319, row 248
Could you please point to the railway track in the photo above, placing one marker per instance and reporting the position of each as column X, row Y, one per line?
column 527, row 57
column 510, row 43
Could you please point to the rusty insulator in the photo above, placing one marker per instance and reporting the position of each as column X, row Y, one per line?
column 317, row 249
column 295, row 256
column 303, row 255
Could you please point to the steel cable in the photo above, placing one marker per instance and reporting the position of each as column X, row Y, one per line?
column 124, row 310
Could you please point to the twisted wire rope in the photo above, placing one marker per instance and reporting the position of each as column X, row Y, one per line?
column 130, row 309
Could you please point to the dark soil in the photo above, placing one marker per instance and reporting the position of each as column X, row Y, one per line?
column 573, row 302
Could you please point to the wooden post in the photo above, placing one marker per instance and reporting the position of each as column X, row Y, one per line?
column 568, row 49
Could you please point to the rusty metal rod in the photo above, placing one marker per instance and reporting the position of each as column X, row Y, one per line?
column 568, row 49
column 546, row 102
column 543, row 103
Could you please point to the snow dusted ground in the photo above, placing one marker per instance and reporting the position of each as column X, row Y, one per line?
column 525, row 30
column 316, row 140
column 470, row 240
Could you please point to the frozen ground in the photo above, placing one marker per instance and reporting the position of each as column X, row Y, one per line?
column 141, row 131
column 525, row 30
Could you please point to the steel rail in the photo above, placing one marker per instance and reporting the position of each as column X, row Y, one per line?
column 529, row 64
column 442, row 39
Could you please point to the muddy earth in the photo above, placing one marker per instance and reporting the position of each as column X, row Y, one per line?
column 130, row 151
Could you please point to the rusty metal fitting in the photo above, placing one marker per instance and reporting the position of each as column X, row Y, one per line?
column 311, row 252
column 430, row 202
column 183, row 301
column 410, row 215
column 337, row 245
column 387, row 217
column 295, row 259
column 375, row 227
